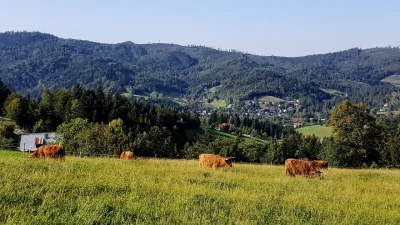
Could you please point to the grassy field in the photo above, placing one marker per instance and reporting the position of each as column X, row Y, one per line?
column 332, row 91
column 268, row 98
column 155, row 191
column 216, row 133
column 219, row 134
column 218, row 104
column 317, row 130
column 214, row 89
column 394, row 80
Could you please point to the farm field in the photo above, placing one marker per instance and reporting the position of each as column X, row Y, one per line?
column 156, row 191
column 318, row 130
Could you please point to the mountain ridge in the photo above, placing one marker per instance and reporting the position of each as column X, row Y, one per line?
column 30, row 61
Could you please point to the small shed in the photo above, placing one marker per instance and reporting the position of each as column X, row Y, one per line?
column 31, row 141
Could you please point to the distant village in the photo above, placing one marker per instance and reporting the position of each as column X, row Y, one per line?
column 263, row 109
column 257, row 108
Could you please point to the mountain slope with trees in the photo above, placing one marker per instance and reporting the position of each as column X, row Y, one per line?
column 32, row 61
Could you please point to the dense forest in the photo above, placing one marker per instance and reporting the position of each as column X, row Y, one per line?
column 32, row 61
column 95, row 122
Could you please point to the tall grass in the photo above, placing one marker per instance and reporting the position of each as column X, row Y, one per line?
column 155, row 191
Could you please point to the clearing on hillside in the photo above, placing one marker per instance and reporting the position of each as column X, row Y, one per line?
column 332, row 91
column 216, row 133
column 394, row 80
column 318, row 130
column 214, row 89
column 218, row 104
column 161, row 191
column 268, row 98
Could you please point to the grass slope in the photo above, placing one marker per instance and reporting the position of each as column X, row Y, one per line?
column 216, row 133
column 394, row 80
column 317, row 130
column 155, row 191
column 332, row 91
column 214, row 89
column 220, row 134
column 268, row 98
column 218, row 104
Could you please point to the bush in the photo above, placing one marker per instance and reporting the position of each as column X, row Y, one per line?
column 374, row 165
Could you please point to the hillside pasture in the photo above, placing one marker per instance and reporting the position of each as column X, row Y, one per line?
column 157, row 191
column 214, row 89
column 220, row 134
column 332, row 91
column 318, row 130
column 267, row 98
column 394, row 80
column 218, row 103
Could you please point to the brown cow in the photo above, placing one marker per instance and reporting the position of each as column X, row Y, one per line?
column 49, row 152
column 126, row 155
column 295, row 167
column 321, row 164
column 214, row 161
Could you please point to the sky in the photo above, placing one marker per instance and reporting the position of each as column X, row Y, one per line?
column 262, row 27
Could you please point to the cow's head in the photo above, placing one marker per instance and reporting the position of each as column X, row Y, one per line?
column 229, row 161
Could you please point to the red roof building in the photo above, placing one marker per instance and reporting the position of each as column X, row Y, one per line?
column 221, row 125
column 296, row 120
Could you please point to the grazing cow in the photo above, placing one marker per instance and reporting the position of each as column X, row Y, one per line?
column 214, row 161
column 49, row 152
column 126, row 155
column 295, row 167
column 321, row 164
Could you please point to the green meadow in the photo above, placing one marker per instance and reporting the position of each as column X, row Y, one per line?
column 218, row 103
column 160, row 191
column 394, row 79
column 318, row 130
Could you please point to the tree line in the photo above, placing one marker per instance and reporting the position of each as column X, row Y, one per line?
column 96, row 122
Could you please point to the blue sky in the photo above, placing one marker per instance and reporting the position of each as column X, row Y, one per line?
column 284, row 28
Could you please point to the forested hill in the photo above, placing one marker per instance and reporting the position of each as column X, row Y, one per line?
column 30, row 61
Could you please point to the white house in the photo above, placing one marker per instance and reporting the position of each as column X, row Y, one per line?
column 29, row 142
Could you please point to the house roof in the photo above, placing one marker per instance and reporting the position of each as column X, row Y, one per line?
column 223, row 125
column 296, row 120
